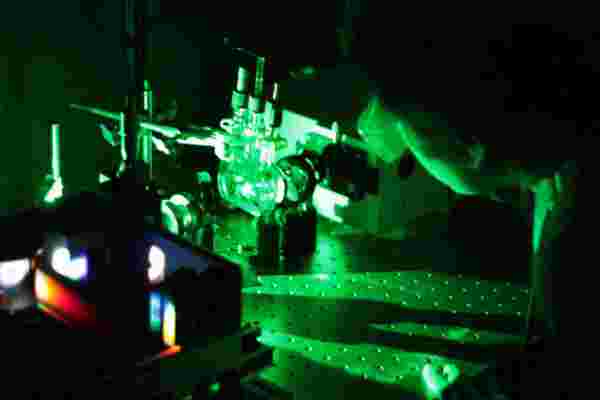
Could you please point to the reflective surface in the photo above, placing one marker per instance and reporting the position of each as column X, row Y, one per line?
column 378, row 318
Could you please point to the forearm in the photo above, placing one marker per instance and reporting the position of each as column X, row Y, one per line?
column 552, row 231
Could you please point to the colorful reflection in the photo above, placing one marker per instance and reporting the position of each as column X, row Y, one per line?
column 155, row 312
column 53, row 295
column 169, row 324
column 162, row 317
column 171, row 351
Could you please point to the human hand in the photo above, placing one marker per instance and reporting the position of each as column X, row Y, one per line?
column 481, row 387
column 380, row 131
column 507, row 379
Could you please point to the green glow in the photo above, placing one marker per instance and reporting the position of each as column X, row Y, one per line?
column 412, row 290
column 147, row 96
column 203, row 177
column 161, row 146
column 458, row 333
column 327, row 202
column 169, row 220
column 180, row 200
column 379, row 129
column 438, row 380
column 326, row 133
column 246, row 190
column 434, row 381
column 247, row 177
column 543, row 199
column 103, row 178
column 55, row 148
column 393, row 361
column 451, row 372
column 252, row 186
column 455, row 334
column 380, row 364
column 215, row 388
column 55, row 192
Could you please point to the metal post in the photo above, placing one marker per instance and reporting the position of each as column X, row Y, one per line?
column 152, row 11
column 122, row 135
column 146, row 136
column 55, row 151
column 135, row 36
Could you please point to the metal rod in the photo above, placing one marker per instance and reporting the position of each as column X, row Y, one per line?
column 243, row 80
column 164, row 130
column 122, row 136
column 129, row 140
column 55, row 150
column 136, row 39
column 259, row 77
column 146, row 136
column 148, row 100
